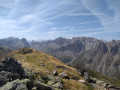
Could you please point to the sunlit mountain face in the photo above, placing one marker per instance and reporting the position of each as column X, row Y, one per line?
column 46, row 19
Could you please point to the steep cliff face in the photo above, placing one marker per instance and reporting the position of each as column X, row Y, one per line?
column 102, row 57
column 14, row 43
column 65, row 49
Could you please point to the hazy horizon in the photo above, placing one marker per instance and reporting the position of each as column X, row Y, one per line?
column 46, row 19
column 40, row 39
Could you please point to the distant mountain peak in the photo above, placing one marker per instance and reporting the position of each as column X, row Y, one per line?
column 14, row 43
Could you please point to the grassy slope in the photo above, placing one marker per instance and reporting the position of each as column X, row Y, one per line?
column 102, row 77
column 35, row 61
column 107, row 79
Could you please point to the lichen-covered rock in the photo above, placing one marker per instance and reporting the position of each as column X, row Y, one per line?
column 29, row 74
column 58, row 85
column 55, row 73
column 82, row 81
column 7, row 76
column 25, row 50
column 64, row 75
column 41, row 86
column 34, row 88
column 16, row 85
column 86, row 76
column 54, row 79
column 55, row 82
column 81, row 71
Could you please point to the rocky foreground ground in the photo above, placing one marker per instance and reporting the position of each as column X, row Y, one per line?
column 14, row 77
column 34, row 74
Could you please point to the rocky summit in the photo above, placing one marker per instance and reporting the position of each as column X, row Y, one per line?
column 28, row 69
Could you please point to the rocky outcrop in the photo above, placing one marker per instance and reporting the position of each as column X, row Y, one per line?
column 7, row 77
column 25, row 50
column 14, row 77
column 55, row 73
column 17, row 85
column 64, row 75
column 95, row 83
column 12, row 65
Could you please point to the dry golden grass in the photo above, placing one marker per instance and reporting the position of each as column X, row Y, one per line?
column 34, row 60
column 41, row 62
column 75, row 85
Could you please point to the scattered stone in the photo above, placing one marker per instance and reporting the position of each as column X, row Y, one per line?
column 55, row 82
column 64, row 75
column 7, row 77
column 86, row 77
column 34, row 88
column 42, row 65
column 105, row 85
column 55, row 73
column 58, row 79
column 81, row 71
column 82, row 81
column 99, row 82
column 50, row 83
column 44, row 77
column 21, row 86
column 15, row 85
column 58, row 85
column 41, row 86
column 29, row 74
column 28, row 83
column 54, row 79
column 39, row 79
column 47, row 72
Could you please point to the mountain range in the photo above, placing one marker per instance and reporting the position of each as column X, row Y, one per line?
column 101, row 56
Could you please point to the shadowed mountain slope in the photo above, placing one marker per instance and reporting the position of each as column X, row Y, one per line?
column 4, row 52
column 102, row 57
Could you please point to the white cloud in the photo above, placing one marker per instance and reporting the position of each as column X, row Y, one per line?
column 62, row 28
column 109, row 12
column 89, row 22
column 80, row 14
column 25, row 16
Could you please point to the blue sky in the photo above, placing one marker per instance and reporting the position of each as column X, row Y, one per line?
column 49, row 19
